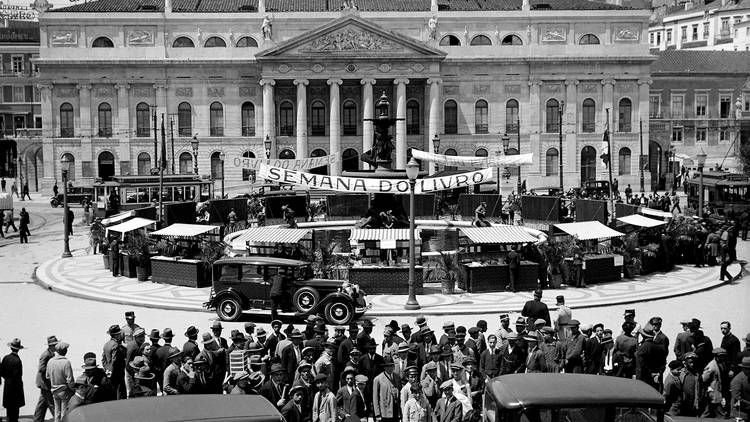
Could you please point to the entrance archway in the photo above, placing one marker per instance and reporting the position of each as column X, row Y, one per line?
column 106, row 165
column 319, row 170
column 588, row 164
column 8, row 158
column 655, row 165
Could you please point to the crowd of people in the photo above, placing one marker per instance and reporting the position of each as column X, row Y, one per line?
column 317, row 373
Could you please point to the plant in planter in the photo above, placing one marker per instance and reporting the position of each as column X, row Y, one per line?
column 555, row 251
column 447, row 270
column 326, row 264
column 137, row 248
column 315, row 209
column 631, row 253
column 211, row 250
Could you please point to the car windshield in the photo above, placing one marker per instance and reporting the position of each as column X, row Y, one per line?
column 589, row 414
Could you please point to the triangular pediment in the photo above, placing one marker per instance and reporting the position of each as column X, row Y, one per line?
column 350, row 36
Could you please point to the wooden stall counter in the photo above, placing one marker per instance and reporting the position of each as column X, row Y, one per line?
column 178, row 271
column 375, row 279
column 494, row 277
column 602, row 268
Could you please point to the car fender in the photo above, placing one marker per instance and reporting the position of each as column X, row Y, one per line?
column 333, row 297
column 230, row 292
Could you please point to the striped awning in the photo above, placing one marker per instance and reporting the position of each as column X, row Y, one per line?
column 640, row 221
column 184, row 230
column 270, row 235
column 382, row 234
column 656, row 213
column 498, row 234
column 587, row 230
column 117, row 218
column 130, row 225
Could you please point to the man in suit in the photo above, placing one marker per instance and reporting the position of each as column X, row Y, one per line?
column 275, row 337
column 574, row 345
column 11, row 370
column 349, row 401
column 190, row 348
column 682, row 343
column 291, row 355
column 448, row 408
column 400, row 361
column 161, row 356
column 385, row 394
column 292, row 411
column 324, row 403
column 216, row 362
column 274, row 389
column 42, row 382
column 364, row 336
column 370, row 365
column 216, row 329
column 514, row 261
column 536, row 309
column 430, row 383
column 740, row 388
column 489, row 362
column 113, row 361
column 512, row 357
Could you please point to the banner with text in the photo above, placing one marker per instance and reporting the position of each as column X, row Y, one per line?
column 463, row 161
column 363, row 185
column 294, row 164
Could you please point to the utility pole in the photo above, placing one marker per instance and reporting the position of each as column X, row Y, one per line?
column 171, row 135
column 162, row 165
column 641, row 162
column 560, row 112
column 609, row 167
column 156, row 138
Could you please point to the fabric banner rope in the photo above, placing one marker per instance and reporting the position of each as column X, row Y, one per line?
column 462, row 161
column 293, row 164
column 365, row 185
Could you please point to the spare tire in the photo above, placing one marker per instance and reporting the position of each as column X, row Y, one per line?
column 306, row 299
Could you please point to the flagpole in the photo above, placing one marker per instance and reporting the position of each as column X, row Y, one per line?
column 609, row 167
column 162, row 164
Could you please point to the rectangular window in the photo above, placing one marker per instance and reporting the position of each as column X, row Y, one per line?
column 677, row 134
column 724, row 27
column 350, row 121
column 737, row 19
column 654, row 105
column 38, row 122
column 17, row 63
column 700, row 135
column 683, row 34
column 412, row 120
column 695, row 32
column 725, row 106
column 37, row 95
column 651, row 38
column 669, row 36
column 318, row 118
column 658, row 38
column 18, row 94
column 286, row 120
column 28, row 94
column 724, row 134
column 701, row 102
column 7, row 94
column 678, row 106
column 248, row 121
column 705, row 31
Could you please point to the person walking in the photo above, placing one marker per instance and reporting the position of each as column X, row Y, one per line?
column 14, row 190
column 11, row 370
column 113, row 361
column 114, row 257
column 514, row 262
column 2, row 184
column 25, row 191
column 675, row 203
column 9, row 221
column 42, row 382
column 24, row 221
column 60, row 374
column 69, row 221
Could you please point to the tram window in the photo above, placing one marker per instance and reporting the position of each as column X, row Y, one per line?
column 130, row 196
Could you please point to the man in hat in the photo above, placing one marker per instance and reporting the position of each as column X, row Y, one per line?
column 407, row 333
column 90, row 386
column 238, row 343
column 535, row 360
column 473, row 341
column 275, row 337
column 489, row 361
column 305, row 372
column 712, row 383
column 629, row 316
column 309, row 331
column 130, row 326
column 294, row 410
column 573, row 362
column 172, row 371
column 144, row 383
column 42, row 382
column 216, row 330
column 659, row 337
column 316, row 343
column 353, row 362
column 133, row 349
column 400, row 361
column 249, row 331
column 430, row 383
column 11, row 370
column 552, row 349
column 434, row 357
column 190, row 348
column 512, row 356
column 504, row 329
column 409, row 380
column 448, row 408
column 649, row 360
column 577, row 274
column 60, row 374
column 186, row 381
column 514, row 262
column 521, row 331
column 350, row 402
column 324, row 403
column 275, row 389
column 364, row 336
column 481, row 339
column 740, row 387
column 536, row 309
column 308, row 357
column 389, row 345
column 241, row 383
column 113, row 361
column 475, row 381
column 216, row 361
column 626, row 346
column 346, row 346
column 448, row 329
column 325, row 363
column 291, row 356
column 385, row 394
column 370, row 365
column 682, row 343
column 161, row 359
column 462, row 351
column 564, row 315
column 607, row 354
column 154, row 337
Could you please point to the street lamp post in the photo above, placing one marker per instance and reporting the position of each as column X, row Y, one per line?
column 267, row 145
column 194, row 145
column 20, row 176
column 65, row 164
column 506, row 144
column 412, row 170
column 222, row 156
column 701, row 163
column 560, row 112
column 436, row 148
column 518, row 140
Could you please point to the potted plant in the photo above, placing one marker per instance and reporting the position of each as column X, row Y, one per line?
column 211, row 250
column 98, row 240
column 138, row 253
column 329, row 265
column 555, row 251
column 447, row 270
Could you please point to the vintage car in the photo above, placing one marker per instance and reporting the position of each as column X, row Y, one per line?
column 552, row 397
column 244, row 283
column 76, row 195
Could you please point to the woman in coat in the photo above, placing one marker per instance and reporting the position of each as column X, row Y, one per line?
column 11, row 370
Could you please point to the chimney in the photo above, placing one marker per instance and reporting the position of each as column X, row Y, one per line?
column 433, row 6
column 526, row 6
column 261, row 6
column 167, row 7
column 688, row 4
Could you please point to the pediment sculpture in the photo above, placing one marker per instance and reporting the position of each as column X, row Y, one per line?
column 351, row 40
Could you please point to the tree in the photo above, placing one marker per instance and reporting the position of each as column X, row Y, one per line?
column 745, row 157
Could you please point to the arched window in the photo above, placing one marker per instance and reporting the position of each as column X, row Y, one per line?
column 248, row 119
column 350, row 160
column 318, row 119
column 481, row 152
column 144, row 164
column 185, row 119
column 287, row 154
column 588, row 120
column 216, row 119
column 286, row 119
column 481, row 120
column 216, row 171
column 450, row 117
column 106, row 167
column 186, row 163
column 511, row 116
column 553, row 116
column 412, row 117
column 66, row 120
column 350, row 118
column 452, row 152
column 142, row 120
column 215, row 42
column 247, row 42
column 450, row 40
column 102, row 42
column 552, row 162
column 105, row 120
column 625, row 115
column 318, row 152
column 71, row 166
column 623, row 167
column 512, row 40
column 588, row 164
column 589, row 39
column 481, row 40
column 183, row 42
column 248, row 174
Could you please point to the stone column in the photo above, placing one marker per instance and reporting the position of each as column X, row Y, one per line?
column 161, row 105
column 123, row 123
column 85, row 130
column 433, row 124
column 269, row 120
column 644, row 94
column 533, row 109
column 301, row 117
column 401, row 124
column 570, row 122
column 48, row 132
column 368, row 104
column 335, row 123
column 607, row 103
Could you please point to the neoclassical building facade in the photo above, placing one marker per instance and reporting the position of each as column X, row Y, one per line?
column 306, row 75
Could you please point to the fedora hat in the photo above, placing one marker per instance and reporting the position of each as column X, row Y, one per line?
column 217, row 325
column 208, row 338
column 277, row 368
column 298, row 387
column 114, row 330
column 173, row 353
column 256, row 379
column 295, row 334
column 167, row 334
column 191, row 331
column 435, row 349
column 237, row 335
column 254, row 347
column 421, row 320
column 239, row 376
column 403, row 347
column 138, row 362
column 255, row 360
column 446, row 385
column 275, row 323
column 387, row 361
column 15, row 344
column 154, row 334
column 367, row 323
column 89, row 363
column 349, row 369
column 647, row 332
column 745, row 362
column 144, row 373
column 260, row 332
column 52, row 340
column 321, row 378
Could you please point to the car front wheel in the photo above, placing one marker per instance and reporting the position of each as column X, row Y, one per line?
column 228, row 309
column 306, row 299
column 339, row 313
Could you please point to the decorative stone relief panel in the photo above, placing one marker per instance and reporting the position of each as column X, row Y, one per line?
column 140, row 36
column 589, row 87
column 554, row 34
column 512, row 89
column 141, row 91
column 286, row 91
column 626, row 33
column 184, row 92
column 66, row 92
column 481, row 89
column 248, row 91
column 349, row 91
column 450, row 89
column 624, row 87
column 317, row 91
column 64, row 37
column 351, row 39
column 103, row 92
column 216, row 92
